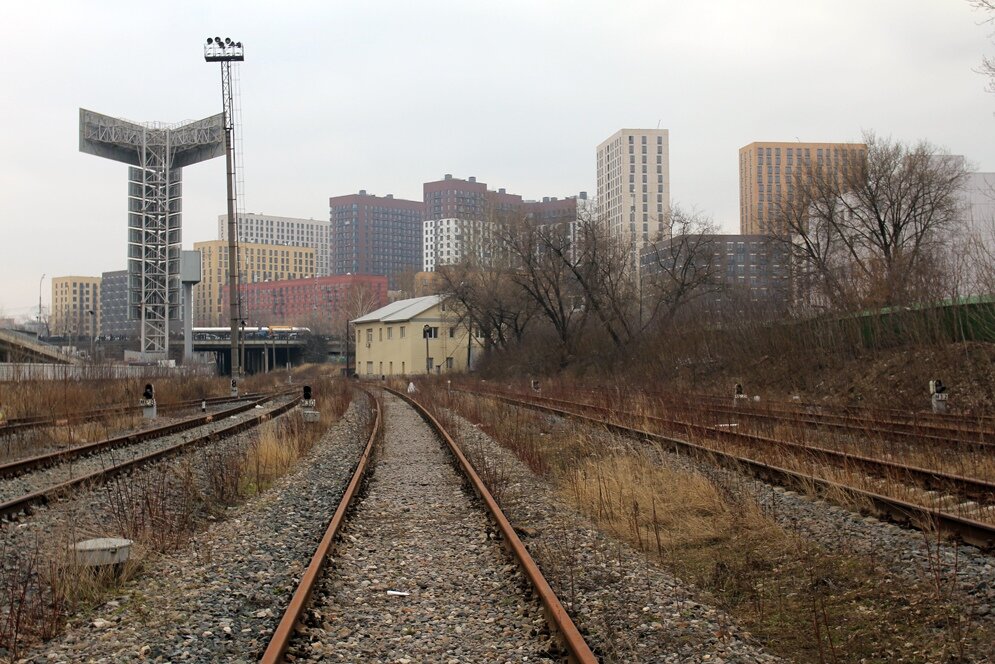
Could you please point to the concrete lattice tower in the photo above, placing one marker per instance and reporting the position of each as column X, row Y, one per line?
column 156, row 153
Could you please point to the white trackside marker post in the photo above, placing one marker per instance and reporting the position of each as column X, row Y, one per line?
column 147, row 402
column 309, row 412
column 938, row 396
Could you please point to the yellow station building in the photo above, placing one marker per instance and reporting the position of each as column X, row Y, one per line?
column 414, row 337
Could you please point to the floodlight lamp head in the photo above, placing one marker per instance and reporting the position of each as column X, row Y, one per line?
column 217, row 39
column 210, row 40
column 227, row 41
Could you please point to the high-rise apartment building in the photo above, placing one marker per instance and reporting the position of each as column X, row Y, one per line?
column 769, row 173
column 75, row 306
column 375, row 235
column 269, row 229
column 257, row 263
column 634, row 186
column 114, row 321
column 745, row 272
column 463, row 219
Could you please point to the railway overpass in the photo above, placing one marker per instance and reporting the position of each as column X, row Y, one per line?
column 261, row 355
column 20, row 347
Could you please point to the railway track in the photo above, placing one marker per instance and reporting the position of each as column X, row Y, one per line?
column 971, row 530
column 412, row 530
column 22, row 502
column 36, row 462
column 951, row 431
column 24, row 424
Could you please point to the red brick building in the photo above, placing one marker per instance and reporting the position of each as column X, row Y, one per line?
column 322, row 301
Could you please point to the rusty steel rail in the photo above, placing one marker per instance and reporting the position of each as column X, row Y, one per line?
column 284, row 632
column 26, row 502
column 986, row 422
column 976, row 533
column 21, row 466
column 36, row 422
column 557, row 616
column 968, row 487
column 979, row 430
column 918, row 432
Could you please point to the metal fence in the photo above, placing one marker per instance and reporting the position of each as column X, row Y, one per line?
column 18, row 371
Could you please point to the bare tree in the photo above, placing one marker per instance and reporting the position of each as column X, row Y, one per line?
column 537, row 253
column 869, row 233
column 681, row 268
column 491, row 301
column 987, row 63
column 605, row 272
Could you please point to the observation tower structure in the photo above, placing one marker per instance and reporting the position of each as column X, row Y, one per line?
column 156, row 153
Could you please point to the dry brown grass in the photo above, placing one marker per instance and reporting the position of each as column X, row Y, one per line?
column 650, row 415
column 657, row 507
column 66, row 397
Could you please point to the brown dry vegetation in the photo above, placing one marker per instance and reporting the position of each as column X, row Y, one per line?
column 67, row 397
column 889, row 378
column 806, row 603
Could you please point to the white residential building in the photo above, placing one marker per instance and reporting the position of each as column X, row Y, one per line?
column 634, row 186
column 289, row 231
column 448, row 241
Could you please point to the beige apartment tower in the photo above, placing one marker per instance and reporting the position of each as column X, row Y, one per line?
column 634, row 186
column 767, row 178
column 75, row 306
column 257, row 262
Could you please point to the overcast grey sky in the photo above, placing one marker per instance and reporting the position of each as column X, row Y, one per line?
column 344, row 95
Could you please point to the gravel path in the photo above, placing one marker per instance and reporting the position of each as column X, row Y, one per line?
column 16, row 487
column 629, row 609
column 220, row 598
column 418, row 533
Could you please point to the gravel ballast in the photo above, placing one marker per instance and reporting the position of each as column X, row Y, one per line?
column 219, row 599
column 418, row 576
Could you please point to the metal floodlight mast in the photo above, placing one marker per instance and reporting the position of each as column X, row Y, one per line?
column 227, row 52
column 156, row 152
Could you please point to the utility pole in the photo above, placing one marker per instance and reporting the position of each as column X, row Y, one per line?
column 39, row 304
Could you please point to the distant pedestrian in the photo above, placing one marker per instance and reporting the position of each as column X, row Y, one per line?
column 411, row 388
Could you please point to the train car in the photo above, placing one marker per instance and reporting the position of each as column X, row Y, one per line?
column 276, row 332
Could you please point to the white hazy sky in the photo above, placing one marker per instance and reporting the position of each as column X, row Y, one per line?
column 383, row 95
